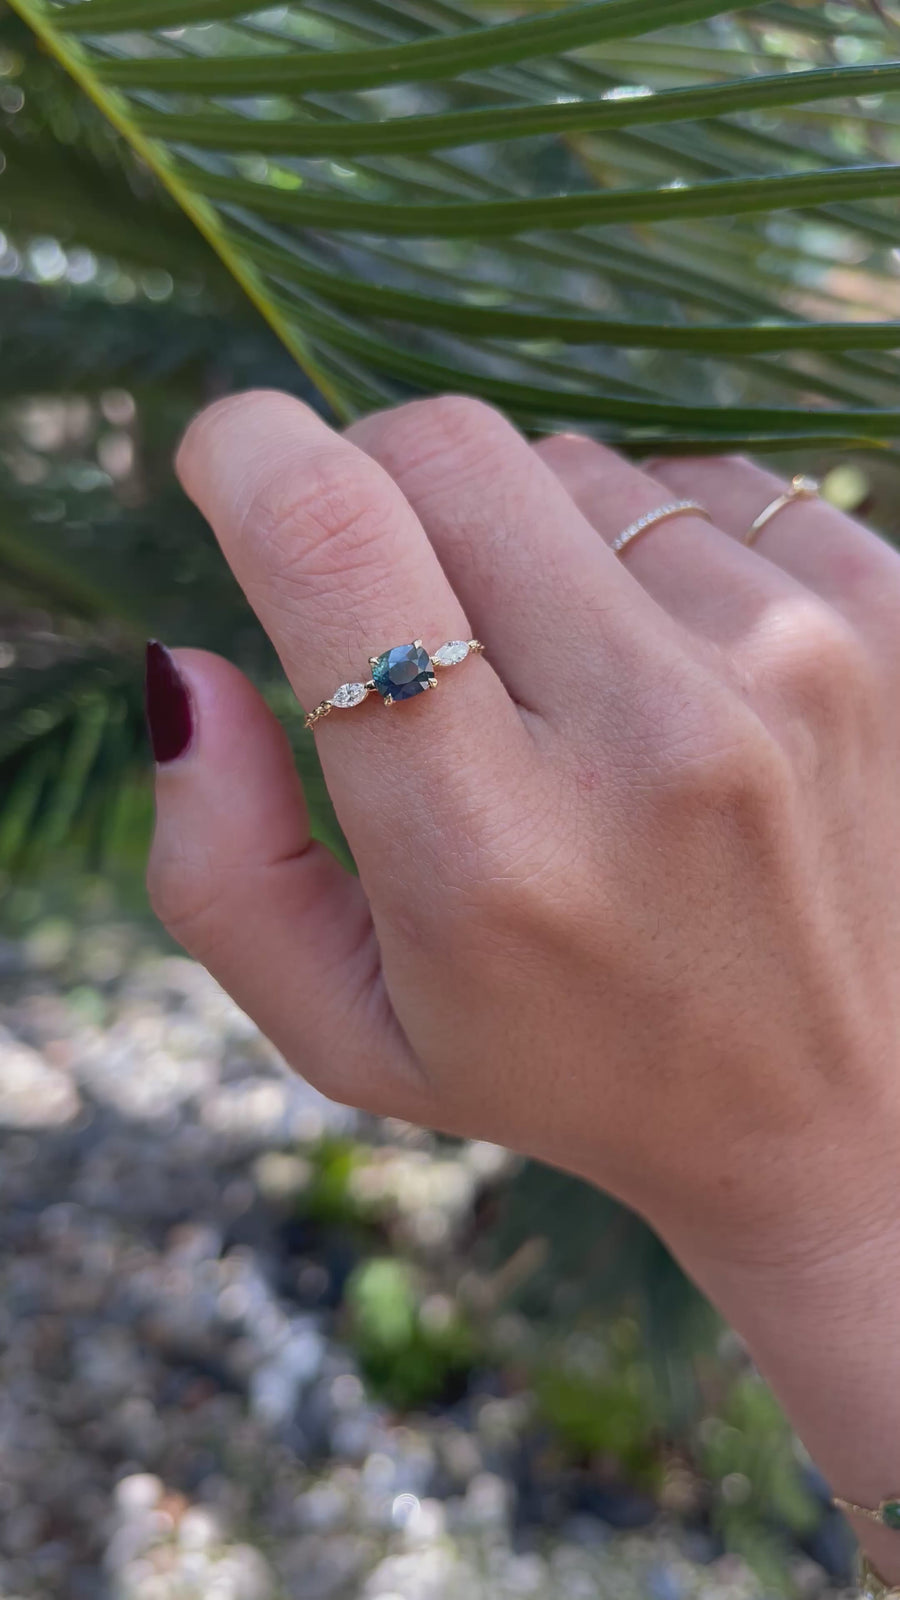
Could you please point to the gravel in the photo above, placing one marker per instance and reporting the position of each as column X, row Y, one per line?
column 179, row 1419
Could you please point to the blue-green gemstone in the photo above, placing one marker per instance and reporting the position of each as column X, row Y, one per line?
column 402, row 672
column 890, row 1513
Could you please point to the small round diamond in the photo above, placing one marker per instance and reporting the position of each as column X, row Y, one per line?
column 349, row 694
column 449, row 654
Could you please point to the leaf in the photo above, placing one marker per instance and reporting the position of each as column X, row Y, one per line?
column 555, row 210
column 75, row 763
column 445, row 56
column 72, row 746
column 410, row 134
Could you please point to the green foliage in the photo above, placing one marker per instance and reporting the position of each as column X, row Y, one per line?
column 411, row 1349
column 600, row 1397
column 747, row 1453
column 667, row 221
column 72, row 759
column 329, row 1199
column 588, row 1256
column 617, row 213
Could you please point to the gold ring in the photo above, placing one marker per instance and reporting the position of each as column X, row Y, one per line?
column 802, row 488
column 397, row 674
column 887, row 1513
column 652, row 519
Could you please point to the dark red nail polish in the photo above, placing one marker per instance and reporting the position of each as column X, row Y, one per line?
column 169, row 716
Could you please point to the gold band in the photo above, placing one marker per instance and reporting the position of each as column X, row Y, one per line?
column 397, row 674
column 886, row 1513
column 652, row 519
column 873, row 1587
column 802, row 488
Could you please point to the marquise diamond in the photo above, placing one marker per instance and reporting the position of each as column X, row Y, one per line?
column 349, row 694
column 449, row 654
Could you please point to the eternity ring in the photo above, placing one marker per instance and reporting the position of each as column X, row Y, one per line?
column 397, row 674
column 651, row 519
column 802, row 488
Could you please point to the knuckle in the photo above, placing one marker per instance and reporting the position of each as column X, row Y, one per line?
column 823, row 671
column 743, row 783
column 733, row 778
column 333, row 518
column 452, row 426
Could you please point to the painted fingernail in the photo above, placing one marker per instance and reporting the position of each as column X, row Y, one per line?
column 169, row 716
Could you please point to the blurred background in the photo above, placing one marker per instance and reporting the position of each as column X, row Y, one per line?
column 254, row 1346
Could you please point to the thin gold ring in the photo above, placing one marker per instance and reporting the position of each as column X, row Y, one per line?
column 397, row 674
column 887, row 1513
column 802, row 487
column 652, row 519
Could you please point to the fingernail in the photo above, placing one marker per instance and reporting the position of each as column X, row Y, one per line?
column 169, row 716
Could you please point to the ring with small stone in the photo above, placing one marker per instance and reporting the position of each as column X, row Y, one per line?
column 802, row 487
column 397, row 674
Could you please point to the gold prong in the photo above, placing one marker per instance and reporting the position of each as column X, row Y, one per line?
column 372, row 660
column 432, row 683
column 370, row 685
column 418, row 644
column 389, row 699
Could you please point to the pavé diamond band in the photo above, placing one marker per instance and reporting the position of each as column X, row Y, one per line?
column 397, row 674
column 652, row 519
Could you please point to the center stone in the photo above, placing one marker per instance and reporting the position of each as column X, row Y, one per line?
column 402, row 672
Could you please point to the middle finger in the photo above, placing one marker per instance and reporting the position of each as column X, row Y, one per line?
column 565, row 619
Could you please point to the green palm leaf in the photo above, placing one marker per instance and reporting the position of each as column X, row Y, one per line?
column 614, row 214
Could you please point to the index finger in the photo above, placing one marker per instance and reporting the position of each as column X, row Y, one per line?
column 338, row 569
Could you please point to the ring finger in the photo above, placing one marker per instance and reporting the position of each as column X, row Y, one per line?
column 712, row 586
column 825, row 550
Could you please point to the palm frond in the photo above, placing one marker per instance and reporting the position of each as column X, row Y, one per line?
column 422, row 198
column 59, row 339
column 74, row 758
column 71, row 754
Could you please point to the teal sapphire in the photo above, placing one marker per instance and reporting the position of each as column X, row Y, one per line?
column 402, row 672
column 890, row 1513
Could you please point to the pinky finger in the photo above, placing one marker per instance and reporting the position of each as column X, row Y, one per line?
column 237, row 879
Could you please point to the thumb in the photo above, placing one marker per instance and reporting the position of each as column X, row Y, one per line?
column 237, row 879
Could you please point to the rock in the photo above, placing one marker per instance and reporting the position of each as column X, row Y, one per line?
column 171, row 1364
column 33, row 1094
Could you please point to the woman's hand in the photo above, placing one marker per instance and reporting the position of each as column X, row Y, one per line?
column 629, row 884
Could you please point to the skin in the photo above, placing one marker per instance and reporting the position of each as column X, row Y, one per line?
column 629, row 884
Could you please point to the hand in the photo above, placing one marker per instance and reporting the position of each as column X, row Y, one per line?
column 629, row 885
